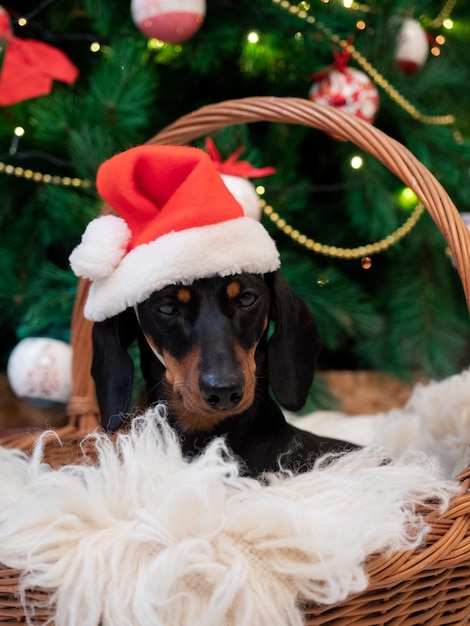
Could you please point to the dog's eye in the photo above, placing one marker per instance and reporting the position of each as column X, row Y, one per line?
column 246, row 299
column 167, row 309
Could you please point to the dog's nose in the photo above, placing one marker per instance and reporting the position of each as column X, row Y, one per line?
column 221, row 393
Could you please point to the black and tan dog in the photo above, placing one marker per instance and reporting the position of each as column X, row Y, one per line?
column 184, row 270
column 213, row 351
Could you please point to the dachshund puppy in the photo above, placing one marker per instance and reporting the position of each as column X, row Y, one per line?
column 213, row 351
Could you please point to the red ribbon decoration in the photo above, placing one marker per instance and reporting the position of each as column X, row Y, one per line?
column 29, row 67
column 233, row 167
column 340, row 63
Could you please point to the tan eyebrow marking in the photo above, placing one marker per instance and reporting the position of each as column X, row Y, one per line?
column 233, row 289
column 183, row 295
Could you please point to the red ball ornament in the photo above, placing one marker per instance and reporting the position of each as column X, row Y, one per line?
column 171, row 21
column 348, row 89
column 412, row 46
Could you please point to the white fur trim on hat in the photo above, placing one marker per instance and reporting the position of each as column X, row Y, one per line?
column 222, row 249
column 103, row 245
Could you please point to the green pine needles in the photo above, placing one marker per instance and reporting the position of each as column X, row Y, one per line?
column 405, row 314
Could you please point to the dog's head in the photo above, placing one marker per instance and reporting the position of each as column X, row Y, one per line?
column 206, row 348
column 183, row 270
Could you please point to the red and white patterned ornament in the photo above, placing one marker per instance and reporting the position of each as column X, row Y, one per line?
column 171, row 21
column 412, row 46
column 39, row 371
column 348, row 89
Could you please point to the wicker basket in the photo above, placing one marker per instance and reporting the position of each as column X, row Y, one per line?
column 430, row 585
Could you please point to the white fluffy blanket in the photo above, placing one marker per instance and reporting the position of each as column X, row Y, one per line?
column 435, row 420
column 147, row 539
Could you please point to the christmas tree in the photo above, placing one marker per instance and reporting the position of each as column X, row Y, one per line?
column 398, row 305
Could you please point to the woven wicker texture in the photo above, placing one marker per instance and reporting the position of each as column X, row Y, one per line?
column 430, row 585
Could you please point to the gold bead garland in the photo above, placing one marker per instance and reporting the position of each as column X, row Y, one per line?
column 335, row 251
column 443, row 14
column 287, row 229
column 438, row 120
column 39, row 177
column 360, row 252
column 355, row 6
column 394, row 94
column 435, row 23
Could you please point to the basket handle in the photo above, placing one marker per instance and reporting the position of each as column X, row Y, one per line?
column 398, row 159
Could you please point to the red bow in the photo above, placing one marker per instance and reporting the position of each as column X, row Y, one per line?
column 29, row 66
column 232, row 166
column 340, row 63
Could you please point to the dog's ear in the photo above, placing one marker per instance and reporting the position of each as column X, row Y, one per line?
column 112, row 368
column 152, row 370
column 293, row 346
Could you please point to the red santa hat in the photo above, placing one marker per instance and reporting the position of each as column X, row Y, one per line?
column 178, row 222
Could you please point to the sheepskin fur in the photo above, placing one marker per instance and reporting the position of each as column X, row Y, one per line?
column 435, row 420
column 146, row 538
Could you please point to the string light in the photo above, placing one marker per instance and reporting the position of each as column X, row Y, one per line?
column 155, row 44
column 253, row 37
column 448, row 24
column 355, row 6
column 407, row 198
column 18, row 132
column 356, row 162
column 95, row 46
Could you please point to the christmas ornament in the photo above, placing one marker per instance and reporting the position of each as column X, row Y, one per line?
column 346, row 88
column 235, row 175
column 412, row 46
column 39, row 371
column 466, row 218
column 178, row 223
column 29, row 67
column 171, row 21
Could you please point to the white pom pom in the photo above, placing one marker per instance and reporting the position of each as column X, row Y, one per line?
column 103, row 246
column 245, row 193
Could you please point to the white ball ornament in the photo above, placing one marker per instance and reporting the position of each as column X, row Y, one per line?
column 245, row 193
column 39, row 371
column 235, row 175
column 171, row 21
column 349, row 90
column 412, row 46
